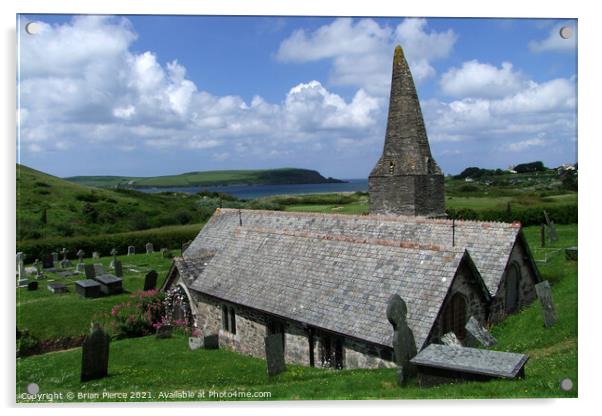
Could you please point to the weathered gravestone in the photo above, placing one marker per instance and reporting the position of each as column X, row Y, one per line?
column 194, row 343
column 571, row 253
column 211, row 342
column 65, row 262
column 544, row 293
column 476, row 334
column 451, row 339
column 165, row 253
column 38, row 267
column 95, row 355
column 164, row 331
column 95, row 255
column 99, row 270
column 274, row 354
column 87, row 288
column 149, row 248
column 404, row 344
column 80, row 264
column 90, row 271
column 150, row 281
column 131, row 250
column 118, row 268
column 114, row 254
column 552, row 235
column 21, row 274
column 48, row 261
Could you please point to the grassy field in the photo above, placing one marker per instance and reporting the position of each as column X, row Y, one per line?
column 155, row 366
column 208, row 178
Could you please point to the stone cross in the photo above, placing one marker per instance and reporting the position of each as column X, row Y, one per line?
column 274, row 354
column 149, row 248
column 544, row 293
column 95, row 355
column 476, row 334
column 114, row 254
column 64, row 252
column 150, row 281
column 404, row 344
column 131, row 250
column 80, row 255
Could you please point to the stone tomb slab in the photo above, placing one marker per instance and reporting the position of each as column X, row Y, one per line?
column 57, row 288
column 477, row 335
column 109, row 284
column 88, row 288
column 438, row 364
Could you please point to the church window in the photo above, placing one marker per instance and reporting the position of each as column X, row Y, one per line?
column 228, row 319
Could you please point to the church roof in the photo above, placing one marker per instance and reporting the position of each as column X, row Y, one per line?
column 336, row 283
column 488, row 243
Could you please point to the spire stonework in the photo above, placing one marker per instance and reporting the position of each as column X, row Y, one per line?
column 406, row 179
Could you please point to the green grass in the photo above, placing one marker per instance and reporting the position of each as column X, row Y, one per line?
column 150, row 365
column 50, row 316
column 208, row 178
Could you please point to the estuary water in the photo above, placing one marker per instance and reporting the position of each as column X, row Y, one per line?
column 260, row 191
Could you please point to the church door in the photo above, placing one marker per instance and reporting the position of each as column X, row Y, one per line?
column 331, row 352
column 454, row 317
column 512, row 280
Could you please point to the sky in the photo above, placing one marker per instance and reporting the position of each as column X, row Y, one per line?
column 158, row 95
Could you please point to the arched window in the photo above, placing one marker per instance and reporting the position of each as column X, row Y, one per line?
column 454, row 317
column 512, row 292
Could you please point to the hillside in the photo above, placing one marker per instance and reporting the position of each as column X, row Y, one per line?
column 48, row 206
column 284, row 176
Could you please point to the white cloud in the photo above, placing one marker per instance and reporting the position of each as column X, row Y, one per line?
column 476, row 79
column 81, row 84
column 525, row 144
column 554, row 42
column 361, row 50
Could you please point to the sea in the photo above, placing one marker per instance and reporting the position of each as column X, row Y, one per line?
column 261, row 191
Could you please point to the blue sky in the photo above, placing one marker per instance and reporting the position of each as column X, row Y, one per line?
column 154, row 95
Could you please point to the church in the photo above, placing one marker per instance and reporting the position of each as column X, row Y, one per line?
column 322, row 281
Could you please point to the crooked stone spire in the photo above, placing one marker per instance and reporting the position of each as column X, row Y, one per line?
column 406, row 179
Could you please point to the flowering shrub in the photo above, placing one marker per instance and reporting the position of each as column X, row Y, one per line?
column 136, row 317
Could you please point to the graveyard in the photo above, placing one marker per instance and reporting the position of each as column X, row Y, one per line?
column 139, row 363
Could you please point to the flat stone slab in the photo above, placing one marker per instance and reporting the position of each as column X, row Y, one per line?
column 571, row 253
column 57, row 288
column 88, row 288
column 109, row 284
column 497, row 364
column 67, row 273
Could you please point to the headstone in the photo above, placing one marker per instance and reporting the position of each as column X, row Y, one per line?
column 32, row 285
column 165, row 253
column 114, row 254
column 95, row 355
column 451, row 340
column 98, row 269
column 149, row 248
column 274, row 354
column 57, row 288
column 571, row 253
column 38, row 267
column 48, row 261
column 150, row 281
column 87, row 288
column 211, row 342
column 110, row 285
column 194, row 343
column 404, row 344
column 90, row 271
column 544, row 293
column 80, row 255
column 80, row 267
column 118, row 268
column 552, row 235
column 64, row 252
column 164, row 331
column 95, row 255
column 131, row 250
column 21, row 273
column 476, row 334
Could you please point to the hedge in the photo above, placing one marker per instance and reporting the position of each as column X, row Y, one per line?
column 563, row 214
column 168, row 237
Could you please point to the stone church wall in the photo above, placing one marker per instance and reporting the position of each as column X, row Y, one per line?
column 528, row 279
column 251, row 328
